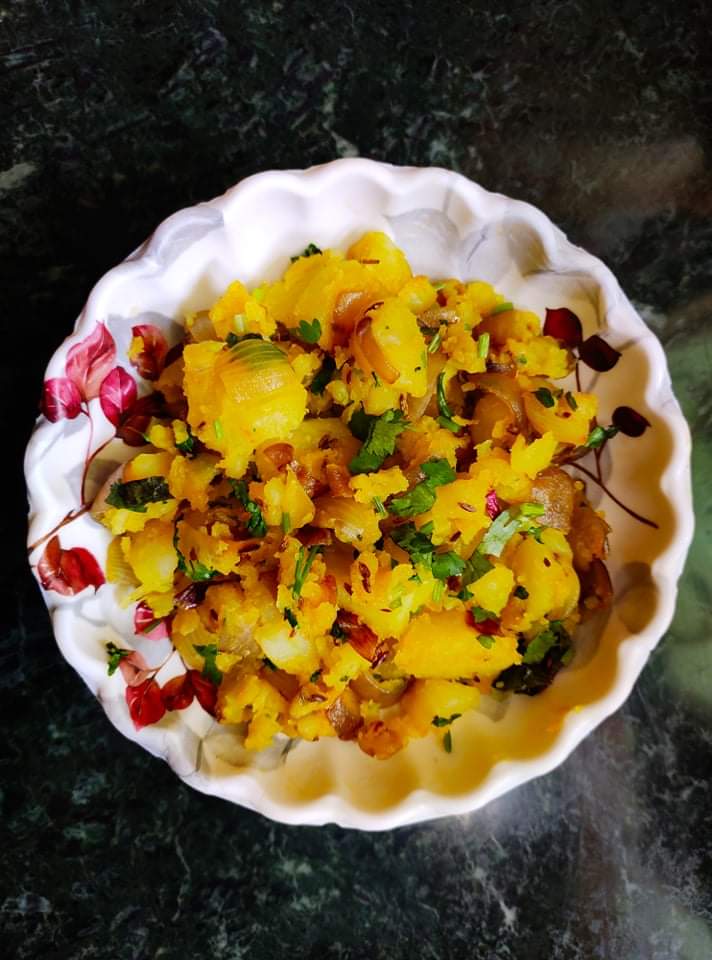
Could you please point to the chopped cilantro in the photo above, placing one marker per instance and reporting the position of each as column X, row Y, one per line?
column 315, row 676
column 543, row 395
column 323, row 376
column 438, row 591
column 421, row 498
column 379, row 442
column 598, row 436
column 521, row 593
column 378, row 506
column 509, row 522
column 543, row 658
column 485, row 640
column 116, row 655
column 209, row 652
column 480, row 614
column 444, row 721
column 501, row 308
column 477, row 566
column 135, row 494
column 447, row 742
column 302, row 567
column 289, row 617
column 446, row 415
column 435, row 342
column 310, row 332
column 256, row 525
column 447, row 565
column 187, row 446
column 571, row 400
column 336, row 632
column 309, row 251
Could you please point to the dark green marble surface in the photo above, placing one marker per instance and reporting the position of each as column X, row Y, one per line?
column 116, row 114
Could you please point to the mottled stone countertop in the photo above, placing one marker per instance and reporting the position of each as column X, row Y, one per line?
column 116, row 114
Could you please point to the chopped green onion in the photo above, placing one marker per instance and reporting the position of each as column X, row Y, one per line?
column 483, row 345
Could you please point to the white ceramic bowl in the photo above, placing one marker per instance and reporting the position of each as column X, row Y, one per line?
column 447, row 226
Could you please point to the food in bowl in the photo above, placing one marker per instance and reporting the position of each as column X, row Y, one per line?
column 353, row 518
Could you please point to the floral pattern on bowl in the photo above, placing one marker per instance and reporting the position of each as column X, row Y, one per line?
column 97, row 403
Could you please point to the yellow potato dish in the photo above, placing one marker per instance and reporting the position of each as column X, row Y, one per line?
column 350, row 513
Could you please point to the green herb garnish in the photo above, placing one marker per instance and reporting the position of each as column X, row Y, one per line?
column 187, row 446
column 309, row 251
column 323, row 376
column 421, row 498
column 521, row 593
column 302, row 567
column 209, row 652
column 135, row 494
column 310, row 332
column 501, row 308
column 290, row 618
column 571, row 400
column 446, row 415
column 483, row 345
column 447, row 742
column 598, row 436
column 435, row 342
column 509, row 522
column 444, row 721
column 116, row 655
column 256, row 525
column 380, row 439
column 543, row 395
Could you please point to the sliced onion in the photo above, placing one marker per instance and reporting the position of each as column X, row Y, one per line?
column 344, row 715
column 506, row 388
column 434, row 316
column 348, row 308
column 368, row 354
column 383, row 692
column 554, row 490
column 351, row 522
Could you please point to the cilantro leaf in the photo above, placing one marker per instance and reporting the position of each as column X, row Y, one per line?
column 209, row 652
column 438, row 472
column 418, row 500
column 521, row 593
column 310, row 332
column 135, row 494
column 545, row 655
column 571, row 400
column 415, row 542
column 485, row 640
column 323, row 376
column 116, row 655
column 477, row 566
column 508, row 523
column 256, row 525
column 447, row 742
column 421, row 498
column 447, row 565
column 380, row 440
column 444, row 721
column 480, row 614
column 543, row 395
column 598, row 436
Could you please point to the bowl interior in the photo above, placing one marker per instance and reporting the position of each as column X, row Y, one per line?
column 447, row 226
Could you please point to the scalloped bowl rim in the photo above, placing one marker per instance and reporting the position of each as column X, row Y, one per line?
column 420, row 804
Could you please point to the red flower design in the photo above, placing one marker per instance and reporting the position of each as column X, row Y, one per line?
column 90, row 360
column 61, row 399
column 68, row 571
column 145, row 703
column 117, row 395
